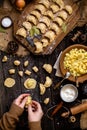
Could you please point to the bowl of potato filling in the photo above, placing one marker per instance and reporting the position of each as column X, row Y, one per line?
column 74, row 60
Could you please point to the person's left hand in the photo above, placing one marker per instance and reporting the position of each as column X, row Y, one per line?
column 21, row 100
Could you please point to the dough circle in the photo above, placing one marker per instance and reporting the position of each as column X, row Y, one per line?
column 30, row 83
column 9, row 82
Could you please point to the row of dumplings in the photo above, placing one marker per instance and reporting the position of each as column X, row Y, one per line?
column 48, row 17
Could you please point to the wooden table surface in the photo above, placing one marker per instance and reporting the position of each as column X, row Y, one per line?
column 7, row 95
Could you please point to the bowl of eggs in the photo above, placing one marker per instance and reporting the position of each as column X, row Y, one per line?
column 74, row 60
column 69, row 93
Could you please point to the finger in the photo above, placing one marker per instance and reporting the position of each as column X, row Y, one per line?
column 30, row 108
column 21, row 97
column 37, row 104
column 23, row 102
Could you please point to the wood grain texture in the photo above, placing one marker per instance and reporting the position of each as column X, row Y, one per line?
column 70, row 23
column 9, row 94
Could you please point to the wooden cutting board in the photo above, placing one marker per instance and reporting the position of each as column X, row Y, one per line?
column 70, row 24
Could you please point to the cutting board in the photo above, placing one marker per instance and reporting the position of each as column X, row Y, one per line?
column 70, row 24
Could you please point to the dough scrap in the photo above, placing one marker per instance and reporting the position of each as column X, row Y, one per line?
column 17, row 62
column 4, row 59
column 35, row 69
column 46, row 101
column 26, row 63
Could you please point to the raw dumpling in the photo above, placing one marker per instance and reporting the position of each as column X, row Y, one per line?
column 55, row 28
column 50, row 14
column 48, row 68
column 45, row 20
column 63, row 14
column 42, row 89
column 41, row 8
column 39, row 47
column 22, row 32
column 36, row 13
column 42, row 27
column 27, row 25
column 68, row 8
column 31, row 19
column 45, row 42
column 46, row 3
column 59, row 21
column 50, row 35
column 60, row 3
column 48, row 82
column 55, row 8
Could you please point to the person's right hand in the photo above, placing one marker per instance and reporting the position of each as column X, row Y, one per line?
column 35, row 112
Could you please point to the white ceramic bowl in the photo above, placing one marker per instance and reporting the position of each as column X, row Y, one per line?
column 68, row 93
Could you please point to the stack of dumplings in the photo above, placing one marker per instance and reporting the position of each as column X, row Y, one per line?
column 48, row 16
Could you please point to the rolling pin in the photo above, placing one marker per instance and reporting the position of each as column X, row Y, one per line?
column 57, row 108
column 75, row 110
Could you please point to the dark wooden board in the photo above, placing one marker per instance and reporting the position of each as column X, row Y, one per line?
column 9, row 94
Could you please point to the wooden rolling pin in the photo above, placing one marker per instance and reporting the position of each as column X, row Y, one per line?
column 57, row 108
column 75, row 110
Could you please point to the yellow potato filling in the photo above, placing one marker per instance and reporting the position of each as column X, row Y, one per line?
column 75, row 61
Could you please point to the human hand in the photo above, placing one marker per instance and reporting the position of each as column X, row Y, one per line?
column 21, row 100
column 35, row 112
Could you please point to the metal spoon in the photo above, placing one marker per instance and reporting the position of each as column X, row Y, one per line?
column 76, row 80
column 65, row 77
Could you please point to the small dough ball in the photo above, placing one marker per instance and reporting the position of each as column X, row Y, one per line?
column 9, row 82
column 46, row 101
column 29, row 101
column 48, row 67
column 48, row 82
column 30, row 83
column 17, row 62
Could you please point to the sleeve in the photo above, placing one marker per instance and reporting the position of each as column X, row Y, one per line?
column 35, row 125
column 10, row 119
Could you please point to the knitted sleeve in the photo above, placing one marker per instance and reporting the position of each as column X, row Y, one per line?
column 35, row 125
